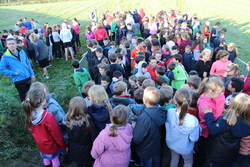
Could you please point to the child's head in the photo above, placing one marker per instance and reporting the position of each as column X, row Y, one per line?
column 19, row 42
column 171, row 66
column 132, row 80
column 105, row 61
column 222, row 55
column 166, row 95
column 236, row 85
column 118, row 75
column 152, row 61
column 41, row 86
column 112, row 44
column 206, row 54
column 140, row 80
column 188, row 49
column 119, row 117
column 102, row 67
column 194, row 82
column 148, row 82
column 158, row 55
column 231, row 47
column 159, row 70
column 165, row 48
column 87, row 86
column 105, row 80
column 113, row 57
column 144, row 67
column 75, row 63
column 119, row 57
column 34, row 99
column 195, row 97
column 175, row 50
column 120, row 88
column 139, row 58
column 139, row 42
column 138, row 96
column 151, row 96
column 238, row 108
column 78, row 112
column 99, row 52
column 182, row 98
column 217, row 24
column 211, row 87
column 177, row 58
column 161, row 81
column 233, row 70
column 134, row 40
column 105, row 41
column 207, row 22
column 192, row 73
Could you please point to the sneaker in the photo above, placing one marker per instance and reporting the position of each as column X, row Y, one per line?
column 57, row 58
column 47, row 77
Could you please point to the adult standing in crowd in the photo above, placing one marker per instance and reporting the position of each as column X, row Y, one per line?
column 15, row 64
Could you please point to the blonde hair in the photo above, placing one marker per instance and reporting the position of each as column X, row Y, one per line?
column 119, row 87
column 185, row 36
column 238, row 108
column 39, row 85
column 232, row 45
column 98, row 96
column 204, row 52
column 99, row 25
column 152, row 95
column 211, row 83
column 119, row 117
column 33, row 37
column 235, row 67
column 182, row 98
column 78, row 113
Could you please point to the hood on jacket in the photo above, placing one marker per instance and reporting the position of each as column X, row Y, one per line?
column 157, row 114
column 38, row 117
column 81, row 72
column 99, row 112
column 66, row 121
column 124, row 137
column 134, row 112
column 64, row 26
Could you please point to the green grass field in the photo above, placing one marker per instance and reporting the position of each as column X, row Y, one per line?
column 14, row 136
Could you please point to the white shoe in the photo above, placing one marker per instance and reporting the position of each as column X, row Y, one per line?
column 47, row 77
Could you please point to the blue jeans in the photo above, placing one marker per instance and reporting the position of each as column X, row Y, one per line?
column 152, row 162
column 244, row 160
column 231, row 165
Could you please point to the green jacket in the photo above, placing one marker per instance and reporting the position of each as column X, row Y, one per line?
column 180, row 75
column 81, row 76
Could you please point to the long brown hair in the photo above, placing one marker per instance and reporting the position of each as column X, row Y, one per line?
column 78, row 111
column 118, row 117
column 210, row 83
column 33, row 100
column 182, row 97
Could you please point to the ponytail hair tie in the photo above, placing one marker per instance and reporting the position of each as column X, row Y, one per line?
column 27, row 99
column 184, row 99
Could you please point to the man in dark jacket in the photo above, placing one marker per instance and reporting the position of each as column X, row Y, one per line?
column 147, row 131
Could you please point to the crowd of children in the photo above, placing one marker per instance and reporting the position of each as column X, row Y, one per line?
column 148, row 100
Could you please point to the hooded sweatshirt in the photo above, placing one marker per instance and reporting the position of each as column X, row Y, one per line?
column 113, row 151
column 81, row 76
column 139, row 73
column 147, row 132
column 181, row 138
column 65, row 34
column 55, row 108
column 46, row 133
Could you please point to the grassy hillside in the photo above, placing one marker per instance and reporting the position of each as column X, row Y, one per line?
column 14, row 136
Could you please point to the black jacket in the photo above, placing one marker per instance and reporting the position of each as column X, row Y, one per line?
column 81, row 141
column 116, row 67
column 147, row 132
column 224, row 140
column 201, row 67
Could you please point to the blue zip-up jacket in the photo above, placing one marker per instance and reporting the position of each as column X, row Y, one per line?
column 10, row 65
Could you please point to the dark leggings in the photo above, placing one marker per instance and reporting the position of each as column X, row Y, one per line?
column 84, row 165
column 78, row 42
column 57, row 49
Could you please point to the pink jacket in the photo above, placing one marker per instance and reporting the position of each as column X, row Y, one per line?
column 113, row 151
column 219, row 67
column 217, row 105
column 76, row 28
column 90, row 35
column 246, row 88
column 245, row 145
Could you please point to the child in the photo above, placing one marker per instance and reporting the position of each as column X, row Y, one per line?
column 138, row 59
column 206, row 30
column 197, row 48
column 189, row 59
column 204, row 43
column 246, row 88
column 43, row 127
column 160, row 71
column 211, row 91
column 158, row 56
column 160, row 81
column 226, row 132
column 101, row 107
column 175, row 50
column 166, row 97
column 165, row 51
column 85, row 89
column 133, row 43
column 233, row 52
column 136, row 51
column 148, row 82
column 81, row 76
column 235, row 86
column 192, row 107
column 183, row 129
column 82, row 132
column 112, row 48
column 140, row 80
column 95, row 61
column 114, row 66
column 121, row 95
column 133, row 82
column 151, row 67
column 232, row 70
column 122, row 32
column 142, row 70
column 219, row 67
column 169, row 73
column 102, row 68
column 112, row 146
column 180, row 74
column 105, row 47
column 213, row 34
column 147, row 136
column 193, row 82
column 203, row 65
column 105, row 81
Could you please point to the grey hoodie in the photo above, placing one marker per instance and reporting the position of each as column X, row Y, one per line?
column 139, row 73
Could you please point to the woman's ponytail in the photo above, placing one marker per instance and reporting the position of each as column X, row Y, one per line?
column 113, row 131
column 202, row 86
column 28, row 111
column 184, row 109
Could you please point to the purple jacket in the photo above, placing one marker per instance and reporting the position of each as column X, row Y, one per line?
column 112, row 151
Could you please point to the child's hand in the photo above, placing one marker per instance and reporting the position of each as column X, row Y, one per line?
column 114, row 79
column 204, row 74
column 84, row 54
column 205, row 109
column 225, row 74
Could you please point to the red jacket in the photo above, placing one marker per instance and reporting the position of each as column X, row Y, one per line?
column 47, row 135
column 100, row 34
column 206, row 31
column 246, row 88
column 183, row 44
column 152, row 73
